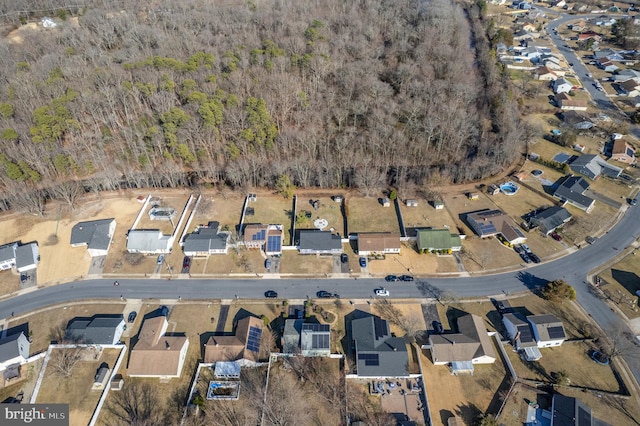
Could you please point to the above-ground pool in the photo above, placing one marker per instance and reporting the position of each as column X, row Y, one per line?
column 509, row 188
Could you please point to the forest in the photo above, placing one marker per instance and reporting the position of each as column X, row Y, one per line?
column 336, row 93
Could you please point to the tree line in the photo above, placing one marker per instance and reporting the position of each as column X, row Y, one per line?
column 327, row 94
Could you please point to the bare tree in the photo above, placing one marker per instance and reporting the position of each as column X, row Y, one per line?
column 136, row 405
column 64, row 360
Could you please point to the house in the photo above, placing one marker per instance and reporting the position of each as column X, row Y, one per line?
column 378, row 354
column 623, row 152
column 470, row 345
column 569, row 411
column 606, row 65
column 243, row 346
column 545, row 74
column 429, row 240
column 14, row 349
column 149, row 241
column 561, row 86
column 592, row 166
column 96, row 235
column 99, row 329
column 268, row 238
column 489, row 223
column 306, row 339
column 547, row 330
column 157, row 354
column 571, row 191
column 630, row 88
column 371, row 243
column 610, row 54
column 206, row 240
column 501, row 49
column 27, row 257
column 576, row 120
column 566, row 102
column 319, row 242
column 8, row 256
column 586, row 35
column 521, row 336
column 625, row 75
column 550, row 219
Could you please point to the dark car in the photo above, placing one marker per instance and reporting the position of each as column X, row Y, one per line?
column 186, row 262
column 591, row 240
column 406, row 278
column 518, row 248
column 534, row 258
column 391, row 278
column 525, row 257
column 270, row 294
column 324, row 294
column 500, row 306
column 633, row 201
column 437, row 327
column 164, row 311
column 23, row 277
column 363, row 262
column 344, row 258
column 132, row 316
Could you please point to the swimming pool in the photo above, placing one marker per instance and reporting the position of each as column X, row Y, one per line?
column 509, row 188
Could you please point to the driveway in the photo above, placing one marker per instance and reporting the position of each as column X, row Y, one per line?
column 97, row 265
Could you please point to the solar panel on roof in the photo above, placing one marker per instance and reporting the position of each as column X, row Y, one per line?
column 556, row 332
column 274, row 243
column 380, row 327
column 259, row 236
column 487, row 228
column 525, row 333
column 316, row 327
column 253, row 341
column 320, row 341
column 367, row 356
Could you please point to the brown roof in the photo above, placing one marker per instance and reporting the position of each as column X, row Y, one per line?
column 156, row 354
column 253, row 229
column 378, row 241
column 231, row 348
column 619, row 146
column 471, row 342
column 501, row 222
column 629, row 85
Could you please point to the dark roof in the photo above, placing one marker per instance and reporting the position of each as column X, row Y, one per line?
column 9, row 347
column 315, row 337
column 571, row 190
column 378, row 354
column 26, row 255
column 97, row 329
column 319, row 240
column 551, row 218
column 568, row 411
column 205, row 239
column 291, row 336
column 95, row 234
column 525, row 337
column 593, row 166
column 8, row 252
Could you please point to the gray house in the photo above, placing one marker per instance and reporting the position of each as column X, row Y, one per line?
column 206, row 240
column 319, row 242
column 27, row 257
column 550, row 219
column 592, row 166
column 99, row 329
column 96, row 235
column 571, row 191
column 149, row 241
column 521, row 335
column 14, row 349
column 378, row 354
column 8, row 256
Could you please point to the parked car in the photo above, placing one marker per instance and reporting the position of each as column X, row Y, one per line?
column 160, row 259
column 518, row 248
column 324, row 294
column 437, row 327
column 633, row 202
column 534, row 258
column 591, row 240
column 270, row 294
column 344, row 258
column 556, row 236
column 363, row 262
column 406, row 278
column 132, row 316
column 526, row 248
column 525, row 257
column 23, row 277
column 500, row 306
column 383, row 292
column 391, row 278
column 186, row 262
column 267, row 263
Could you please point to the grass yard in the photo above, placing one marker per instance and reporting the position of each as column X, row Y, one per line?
column 409, row 261
column 368, row 215
column 224, row 207
column 271, row 209
column 75, row 390
column 328, row 210
column 425, row 216
column 486, row 254
column 293, row 263
column 240, row 261
column 621, row 282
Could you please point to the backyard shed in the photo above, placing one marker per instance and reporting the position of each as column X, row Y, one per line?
column 411, row 203
column 461, row 367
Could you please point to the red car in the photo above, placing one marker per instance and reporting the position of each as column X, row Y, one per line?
column 556, row 236
column 186, row 262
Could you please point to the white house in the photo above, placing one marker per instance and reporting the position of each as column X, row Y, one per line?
column 561, row 86
column 149, row 241
column 521, row 336
column 14, row 349
column 8, row 256
column 96, row 235
column 547, row 330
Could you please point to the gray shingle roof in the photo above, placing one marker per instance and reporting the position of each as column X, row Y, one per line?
column 205, row 239
column 378, row 354
column 568, row 411
column 571, row 190
column 9, row 347
column 291, row 336
column 8, row 252
column 593, row 166
column 95, row 234
column 26, row 255
column 551, row 218
column 97, row 329
column 319, row 241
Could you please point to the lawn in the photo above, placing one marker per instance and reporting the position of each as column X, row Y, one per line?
column 409, row 261
column 271, row 209
column 293, row 263
column 164, row 200
column 75, row 390
column 621, row 282
column 368, row 215
column 237, row 261
column 327, row 209
column 425, row 216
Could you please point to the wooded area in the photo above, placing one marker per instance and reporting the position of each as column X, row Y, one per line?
column 336, row 93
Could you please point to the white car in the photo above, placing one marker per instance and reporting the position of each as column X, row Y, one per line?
column 381, row 292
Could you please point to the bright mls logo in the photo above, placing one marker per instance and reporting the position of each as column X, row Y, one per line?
column 34, row 414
